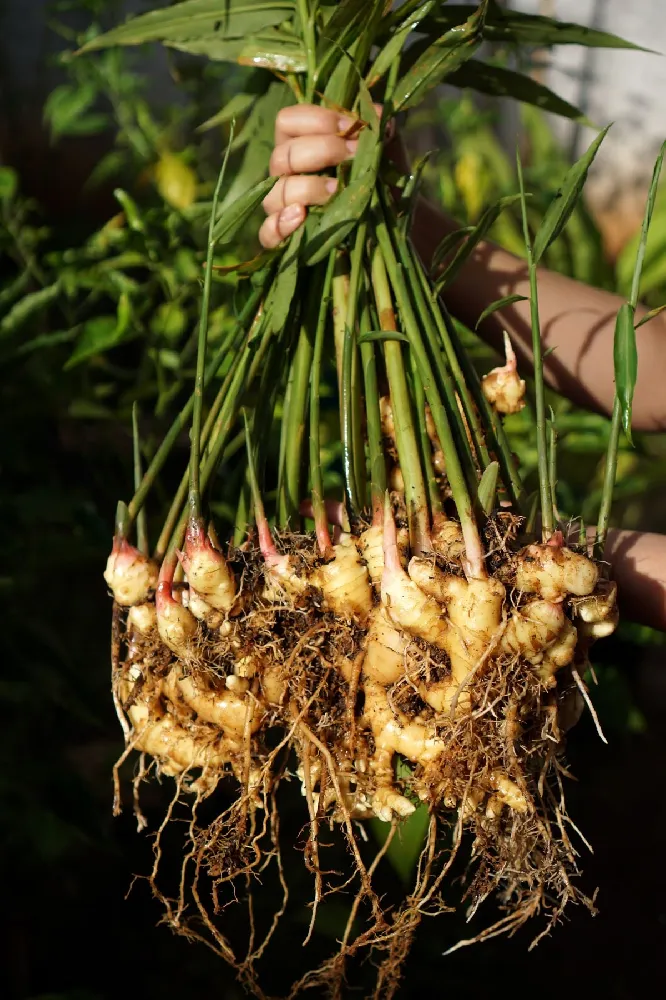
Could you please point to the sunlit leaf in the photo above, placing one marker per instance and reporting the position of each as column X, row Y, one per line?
column 500, row 82
column 284, row 286
column 270, row 50
column 625, row 357
column 565, row 200
column 504, row 25
column 439, row 60
column 651, row 315
column 185, row 22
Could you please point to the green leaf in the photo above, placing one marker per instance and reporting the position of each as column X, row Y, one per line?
column 67, row 103
column 394, row 46
column 371, row 335
column 487, row 488
column 480, row 231
column 8, row 183
column 329, row 228
column 258, row 133
column 450, row 241
column 194, row 19
column 131, row 210
column 439, row 60
column 645, row 228
column 101, row 334
column 650, row 315
column 625, row 357
column 499, row 82
column 498, row 304
column 27, row 307
column 564, row 202
column 235, row 108
column 527, row 29
column 232, row 217
column 272, row 50
column 284, row 286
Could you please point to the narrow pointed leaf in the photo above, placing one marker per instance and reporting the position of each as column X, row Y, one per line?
column 625, row 356
column 196, row 19
column 234, row 216
column 526, row 29
column 439, row 60
column 487, row 488
column 393, row 47
column 494, row 307
column 480, row 231
column 650, row 315
column 564, row 202
column 499, row 82
column 450, row 241
column 328, row 229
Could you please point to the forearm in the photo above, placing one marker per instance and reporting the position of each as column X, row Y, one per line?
column 576, row 320
column 638, row 566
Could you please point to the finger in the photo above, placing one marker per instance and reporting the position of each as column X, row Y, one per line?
column 279, row 225
column 308, row 119
column 310, row 154
column 299, row 189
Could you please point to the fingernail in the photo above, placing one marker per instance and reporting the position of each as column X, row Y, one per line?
column 331, row 185
column 352, row 145
column 292, row 213
column 344, row 124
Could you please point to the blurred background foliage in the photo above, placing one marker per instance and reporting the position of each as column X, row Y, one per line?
column 98, row 308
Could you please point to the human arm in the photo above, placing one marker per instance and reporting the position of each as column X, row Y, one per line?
column 576, row 320
column 638, row 566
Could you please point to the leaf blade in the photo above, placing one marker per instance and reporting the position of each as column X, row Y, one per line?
column 561, row 207
column 625, row 359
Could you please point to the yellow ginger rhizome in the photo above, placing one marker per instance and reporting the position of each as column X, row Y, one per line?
column 393, row 626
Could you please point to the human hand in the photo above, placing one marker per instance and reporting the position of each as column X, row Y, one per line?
column 309, row 139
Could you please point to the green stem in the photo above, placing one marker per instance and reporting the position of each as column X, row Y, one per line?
column 475, row 567
column 403, row 421
column 425, row 446
column 199, row 381
column 356, row 406
column 545, row 486
column 450, row 391
column 141, row 521
column 308, row 27
column 317, row 481
column 372, row 413
column 183, row 417
column 500, row 447
column 429, row 305
column 216, row 430
column 609, row 477
column 291, row 491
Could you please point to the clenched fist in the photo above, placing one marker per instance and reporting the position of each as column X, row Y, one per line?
column 308, row 140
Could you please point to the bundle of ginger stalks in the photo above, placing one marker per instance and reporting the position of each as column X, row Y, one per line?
column 436, row 616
